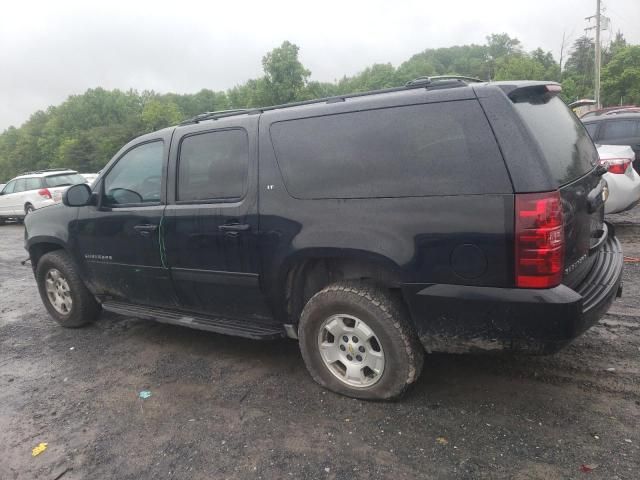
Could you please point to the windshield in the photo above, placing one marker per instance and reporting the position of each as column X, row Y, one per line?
column 64, row 180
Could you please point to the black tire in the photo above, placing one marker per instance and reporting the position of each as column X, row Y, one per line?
column 2, row 220
column 385, row 316
column 84, row 308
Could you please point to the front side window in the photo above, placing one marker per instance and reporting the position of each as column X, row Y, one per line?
column 213, row 165
column 137, row 177
column 9, row 187
column 21, row 185
column 618, row 129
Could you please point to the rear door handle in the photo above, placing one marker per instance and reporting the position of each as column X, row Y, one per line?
column 145, row 229
column 234, row 227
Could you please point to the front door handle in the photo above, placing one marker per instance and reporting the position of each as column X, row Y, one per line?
column 145, row 229
column 234, row 227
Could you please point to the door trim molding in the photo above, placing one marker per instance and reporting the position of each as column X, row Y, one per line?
column 215, row 276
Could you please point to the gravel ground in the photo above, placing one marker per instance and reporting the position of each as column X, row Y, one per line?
column 223, row 407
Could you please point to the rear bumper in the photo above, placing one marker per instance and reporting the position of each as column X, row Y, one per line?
column 458, row 318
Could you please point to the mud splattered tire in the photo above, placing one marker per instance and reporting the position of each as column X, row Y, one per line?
column 356, row 340
column 63, row 293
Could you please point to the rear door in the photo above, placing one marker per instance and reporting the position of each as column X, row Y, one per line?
column 571, row 157
column 211, row 226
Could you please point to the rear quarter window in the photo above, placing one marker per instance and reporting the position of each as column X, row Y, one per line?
column 562, row 138
column 418, row 150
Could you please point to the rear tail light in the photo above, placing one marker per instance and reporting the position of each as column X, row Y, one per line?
column 44, row 193
column 616, row 165
column 539, row 240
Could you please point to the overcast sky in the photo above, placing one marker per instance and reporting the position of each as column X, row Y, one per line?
column 52, row 49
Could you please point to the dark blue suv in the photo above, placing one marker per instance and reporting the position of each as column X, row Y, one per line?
column 447, row 215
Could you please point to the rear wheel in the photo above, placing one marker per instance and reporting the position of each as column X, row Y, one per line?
column 63, row 293
column 356, row 340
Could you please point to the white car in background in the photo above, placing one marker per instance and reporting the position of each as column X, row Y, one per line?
column 33, row 190
column 623, row 181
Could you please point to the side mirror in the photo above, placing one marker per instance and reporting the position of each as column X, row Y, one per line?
column 77, row 195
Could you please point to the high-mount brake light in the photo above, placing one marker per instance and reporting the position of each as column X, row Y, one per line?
column 45, row 193
column 553, row 88
column 616, row 165
column 539, row 240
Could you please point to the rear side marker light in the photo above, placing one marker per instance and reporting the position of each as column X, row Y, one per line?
column 44, row 193
column 616, row 165
column 539, row 240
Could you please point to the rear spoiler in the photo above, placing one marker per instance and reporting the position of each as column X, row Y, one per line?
column 532, row 91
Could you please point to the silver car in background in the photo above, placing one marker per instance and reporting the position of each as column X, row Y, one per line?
column 622, row 179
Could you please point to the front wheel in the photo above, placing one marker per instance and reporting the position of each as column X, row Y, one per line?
column 356, row 340
column 63, row 293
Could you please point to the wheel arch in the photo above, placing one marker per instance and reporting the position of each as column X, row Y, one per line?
column 37, row 247
column 308, row 272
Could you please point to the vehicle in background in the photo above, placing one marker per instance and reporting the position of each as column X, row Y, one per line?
column 619, row 129
column 32, row 190
column 622, row 180
column 606, row 110
column 90, row 177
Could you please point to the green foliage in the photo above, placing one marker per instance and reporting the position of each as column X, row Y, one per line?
column 86, row 130
column 621, row 77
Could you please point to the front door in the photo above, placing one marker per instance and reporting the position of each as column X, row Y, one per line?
column 118, row 239
column 211, row 220
column 8, row 199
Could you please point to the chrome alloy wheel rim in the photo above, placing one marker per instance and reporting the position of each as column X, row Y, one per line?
column 58, row 291
column 351, row 351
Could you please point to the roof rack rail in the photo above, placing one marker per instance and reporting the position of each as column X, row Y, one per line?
column 420, row 82
column 214, row 115
column 439, row 78
column 45, row 170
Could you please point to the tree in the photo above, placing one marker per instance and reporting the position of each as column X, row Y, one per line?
column 158, row 114
column 521, row 67
column 621, row 77
column 285, row 77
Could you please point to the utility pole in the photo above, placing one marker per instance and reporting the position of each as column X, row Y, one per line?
column 598, row 60
column 598, row 56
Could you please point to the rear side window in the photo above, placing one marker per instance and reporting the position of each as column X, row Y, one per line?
column 63, row 180
column 418, row 150
column 213, row 165
column 563, row 139
column 32, row 183
column 619, row 129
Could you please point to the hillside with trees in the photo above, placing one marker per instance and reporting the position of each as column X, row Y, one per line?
column 86, row 130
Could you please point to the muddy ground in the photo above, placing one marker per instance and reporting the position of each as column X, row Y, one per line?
column 224, row 407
